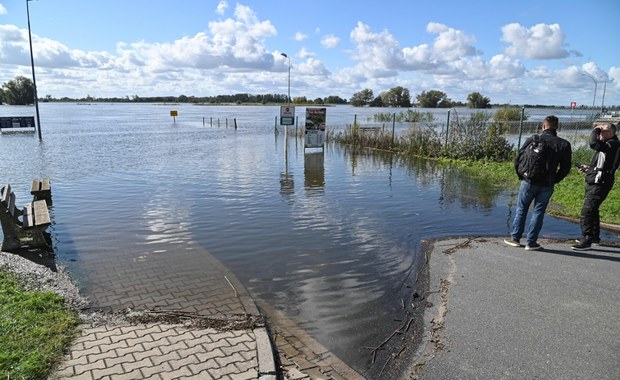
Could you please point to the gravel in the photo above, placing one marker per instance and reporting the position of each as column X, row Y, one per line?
column 36, row 277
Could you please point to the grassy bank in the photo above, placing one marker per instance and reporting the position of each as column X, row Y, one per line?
column 568, row 195
column 36, row 328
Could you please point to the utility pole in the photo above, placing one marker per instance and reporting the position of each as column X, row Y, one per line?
column 34, row 79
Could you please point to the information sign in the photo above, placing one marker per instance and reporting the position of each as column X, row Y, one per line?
column 315, row 127
column 287, row 115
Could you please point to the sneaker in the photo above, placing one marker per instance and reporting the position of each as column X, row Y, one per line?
column 532, row 247
column 512, row 242
column 582, row 245
column 595, row 242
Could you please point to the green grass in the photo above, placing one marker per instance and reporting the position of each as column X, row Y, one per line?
column 36, row 329
column 567, row 197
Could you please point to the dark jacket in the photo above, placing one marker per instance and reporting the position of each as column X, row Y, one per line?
column 611, row 148
column 559, row 159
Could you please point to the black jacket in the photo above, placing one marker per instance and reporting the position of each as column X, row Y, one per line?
column 559, row 159
column 611, row 148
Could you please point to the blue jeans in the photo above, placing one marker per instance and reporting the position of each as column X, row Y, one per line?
column 528, row 193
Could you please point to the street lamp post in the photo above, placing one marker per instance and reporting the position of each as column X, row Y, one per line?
column 595, row 87
column 603, row 101
column 34, row 80
column 289, row 76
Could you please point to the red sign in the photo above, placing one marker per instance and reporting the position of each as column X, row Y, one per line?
column 573, row 104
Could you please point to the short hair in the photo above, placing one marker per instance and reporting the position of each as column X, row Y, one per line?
column 611, row 126
column 552, row 121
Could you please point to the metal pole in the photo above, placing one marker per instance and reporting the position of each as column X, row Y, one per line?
column 521, row 127
column 34, row 80
column 603, row 101
column 448, row 127
column 595, row 88
column 393, row 128
column 289, row 76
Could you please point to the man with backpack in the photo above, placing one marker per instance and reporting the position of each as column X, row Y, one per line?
column 542, row 161
column 600, row 175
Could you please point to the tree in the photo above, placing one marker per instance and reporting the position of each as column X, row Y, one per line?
column 334, row 99
column 376, row 102
column 362, row 98
column 433, row 99
column 396, row 97
column 19, row 91
column 509, row 113
column 476, row 100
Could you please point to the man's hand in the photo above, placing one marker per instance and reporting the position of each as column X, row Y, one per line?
column 583, row 168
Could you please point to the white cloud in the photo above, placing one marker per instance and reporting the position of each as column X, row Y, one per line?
column 304, row 53
column 330, row 41
column 593, row 69
column 542, row 41
column 299, row 36
column 614, row 77
column 311, row 67
column 378, row 53
column 221, row 7
column 503, row 68
column 2, row 10
column 451, row 44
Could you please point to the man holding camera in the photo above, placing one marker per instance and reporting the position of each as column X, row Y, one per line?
column 600, row 176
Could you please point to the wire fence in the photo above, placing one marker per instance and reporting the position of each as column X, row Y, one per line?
column 574, row 125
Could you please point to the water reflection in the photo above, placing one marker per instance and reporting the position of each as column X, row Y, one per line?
column 314, row 171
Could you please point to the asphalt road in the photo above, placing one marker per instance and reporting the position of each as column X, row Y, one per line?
column 500, row 312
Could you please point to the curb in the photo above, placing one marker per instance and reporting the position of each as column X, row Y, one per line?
column 265, row 350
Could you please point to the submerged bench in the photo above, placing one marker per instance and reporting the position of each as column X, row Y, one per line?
column 41, row 189
column 30, row 230
column 17, row 124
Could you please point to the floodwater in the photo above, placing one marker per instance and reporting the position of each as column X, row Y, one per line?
column 331, row 239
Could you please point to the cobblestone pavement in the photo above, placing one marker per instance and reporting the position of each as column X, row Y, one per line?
column 191, row 284
column 161, row 351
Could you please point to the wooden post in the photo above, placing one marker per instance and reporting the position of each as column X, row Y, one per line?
column 235, row 119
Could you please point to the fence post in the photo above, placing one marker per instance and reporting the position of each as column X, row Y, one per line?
column 393, row 127
column 520, row 128
column 447, row 128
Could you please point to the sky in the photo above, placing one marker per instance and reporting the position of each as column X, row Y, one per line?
column 547, row 52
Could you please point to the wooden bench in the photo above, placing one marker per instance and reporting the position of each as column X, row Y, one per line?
column 41, row 190
column 30, row 230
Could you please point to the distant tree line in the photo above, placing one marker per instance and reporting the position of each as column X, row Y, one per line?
column 400, row 97
column 218, row 99
column 20, row 91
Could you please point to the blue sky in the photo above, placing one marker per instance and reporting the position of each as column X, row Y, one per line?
column 519, row 52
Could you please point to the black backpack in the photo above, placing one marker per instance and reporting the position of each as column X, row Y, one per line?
column 534, row 162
